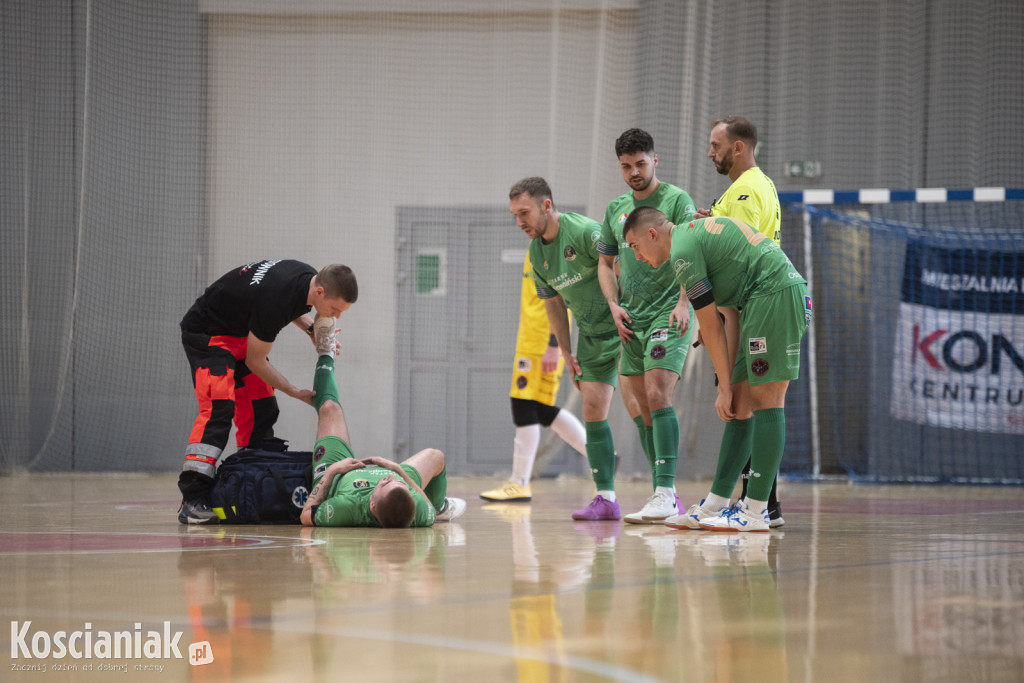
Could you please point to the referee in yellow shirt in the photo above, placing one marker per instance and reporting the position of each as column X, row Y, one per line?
column 753, row 199
column 535, row 379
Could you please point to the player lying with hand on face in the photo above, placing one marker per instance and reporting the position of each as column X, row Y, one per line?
column 372, row 492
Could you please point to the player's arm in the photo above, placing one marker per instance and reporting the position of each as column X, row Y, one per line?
column 397, row 469
column 680, row 315
column 256, row 353
column 319, row 492
column 610, row 289
column 558, row 318
column 549, row 361
column 714, row 339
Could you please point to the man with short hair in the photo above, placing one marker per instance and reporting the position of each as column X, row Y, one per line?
column 751, row 198
column 647, row 305
column 563, row 252
column 724, row 263
column 227, row 334
column 372, row 492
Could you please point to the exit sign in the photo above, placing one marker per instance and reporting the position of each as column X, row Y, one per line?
column 803, row 169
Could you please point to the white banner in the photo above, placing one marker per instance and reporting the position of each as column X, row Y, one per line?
column 959, row 348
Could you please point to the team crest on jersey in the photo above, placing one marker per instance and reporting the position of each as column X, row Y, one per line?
column 623, row 217
column 658, row 352
column 758, row 345
column 569, row 253
column 319, row 453
column 523, row 364
column 521, row 382
column 759, row 367
column 361, row 484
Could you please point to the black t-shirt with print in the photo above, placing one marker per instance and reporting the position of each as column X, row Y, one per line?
column 260, row 297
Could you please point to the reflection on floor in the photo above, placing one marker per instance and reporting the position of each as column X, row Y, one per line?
column 862, row 583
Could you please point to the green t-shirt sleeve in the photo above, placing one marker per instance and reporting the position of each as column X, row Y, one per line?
column 425, row 512
column 339, row 510
column 684, row 209
column 609, row 242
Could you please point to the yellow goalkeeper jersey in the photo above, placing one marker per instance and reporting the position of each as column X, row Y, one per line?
column 752, row 198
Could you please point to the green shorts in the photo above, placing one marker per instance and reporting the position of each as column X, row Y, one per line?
column 598, row 357
column 657, row 346
column 326, row 452
column 771, row 327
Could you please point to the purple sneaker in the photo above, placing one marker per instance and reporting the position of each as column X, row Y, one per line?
column 599, row 508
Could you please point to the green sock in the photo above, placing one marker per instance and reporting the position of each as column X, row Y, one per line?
column 732, row 455
column 646, row 441
column 436, row 489
column 324, row 383
column 666, row 445
column 769, row 442
column 601, row 454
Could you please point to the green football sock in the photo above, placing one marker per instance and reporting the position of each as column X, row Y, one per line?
column 324, row 383
column 769, row 442
column 732, row 455
column 666, row 445
column 601, row 454
column 646, row 442
column 436, row 489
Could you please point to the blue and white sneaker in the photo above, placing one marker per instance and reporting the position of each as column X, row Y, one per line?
column 737, row 518
column 691, row 518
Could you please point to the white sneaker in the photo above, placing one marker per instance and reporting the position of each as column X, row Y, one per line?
column 452, row 508
column 323, row 336
column 737, row 518
column 659, row 507
column 692, row 517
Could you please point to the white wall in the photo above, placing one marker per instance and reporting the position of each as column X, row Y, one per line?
column 320, row 126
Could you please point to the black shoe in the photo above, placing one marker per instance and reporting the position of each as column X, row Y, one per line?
column 195, row 511
column 775, row 519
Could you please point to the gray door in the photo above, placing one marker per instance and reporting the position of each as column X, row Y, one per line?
column 459, row 274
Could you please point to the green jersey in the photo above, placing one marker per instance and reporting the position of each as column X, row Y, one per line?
column 729, row 261
column 348, row 502
column 645, row 292
column 568, row 267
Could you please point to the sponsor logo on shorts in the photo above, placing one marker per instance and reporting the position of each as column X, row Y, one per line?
column 319, row 453
column 524, row 364
column 759, row 367
column 658, row 352
column 328, row 511
column 758, row 345
column 659, row 335
column 361, row 484
column 521, row 382
column 569, row 253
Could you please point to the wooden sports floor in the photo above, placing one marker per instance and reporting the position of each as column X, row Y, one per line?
column 863, row 583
